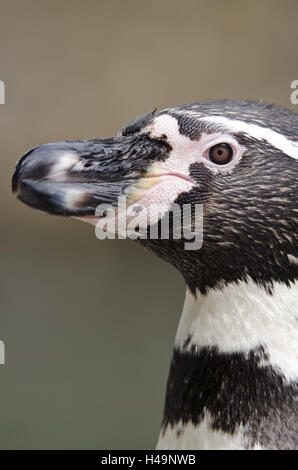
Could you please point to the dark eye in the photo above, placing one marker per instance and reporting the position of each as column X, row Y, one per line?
column 221, row 154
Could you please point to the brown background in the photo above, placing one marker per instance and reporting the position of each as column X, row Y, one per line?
column 89, row 325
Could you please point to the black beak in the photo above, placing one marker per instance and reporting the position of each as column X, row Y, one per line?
column 73, row 177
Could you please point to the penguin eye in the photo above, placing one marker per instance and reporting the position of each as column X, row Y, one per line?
column 220, row 154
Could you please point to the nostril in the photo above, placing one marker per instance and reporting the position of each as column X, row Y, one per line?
column 17, row 171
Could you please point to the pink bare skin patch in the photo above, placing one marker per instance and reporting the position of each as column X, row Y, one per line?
column 166, row 180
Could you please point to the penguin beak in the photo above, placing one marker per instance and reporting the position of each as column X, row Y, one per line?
column 72, row 178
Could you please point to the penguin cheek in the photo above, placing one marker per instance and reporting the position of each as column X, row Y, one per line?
column 140, row 206
column 152, row 197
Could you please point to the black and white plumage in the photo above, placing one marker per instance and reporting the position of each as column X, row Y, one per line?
column 234, row 374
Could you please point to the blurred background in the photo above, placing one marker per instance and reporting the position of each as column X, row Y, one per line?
column 89, row 325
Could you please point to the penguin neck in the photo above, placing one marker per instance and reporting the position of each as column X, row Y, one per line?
column 242, row 317
column 234, row 373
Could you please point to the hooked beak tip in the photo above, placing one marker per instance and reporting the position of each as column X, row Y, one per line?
column 64, row 179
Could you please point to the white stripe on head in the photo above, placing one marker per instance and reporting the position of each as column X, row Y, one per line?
column 274, row 138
